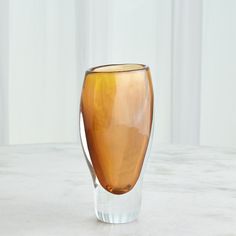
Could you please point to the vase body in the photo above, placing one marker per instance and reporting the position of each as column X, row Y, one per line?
column 116, row 113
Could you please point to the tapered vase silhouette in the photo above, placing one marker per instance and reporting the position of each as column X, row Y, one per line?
column 116, row 114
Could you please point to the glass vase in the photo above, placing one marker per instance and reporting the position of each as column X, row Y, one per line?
column 116, row 117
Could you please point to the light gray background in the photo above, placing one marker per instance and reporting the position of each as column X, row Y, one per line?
column 47, row 45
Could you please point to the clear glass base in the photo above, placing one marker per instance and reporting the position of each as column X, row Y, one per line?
column 115, row 209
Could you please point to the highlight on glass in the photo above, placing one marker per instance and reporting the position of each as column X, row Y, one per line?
column 116, row 119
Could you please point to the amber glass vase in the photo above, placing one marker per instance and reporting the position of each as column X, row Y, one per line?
column 116, row 114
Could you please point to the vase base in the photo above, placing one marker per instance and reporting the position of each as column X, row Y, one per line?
column 116, row 219
column 117, row 209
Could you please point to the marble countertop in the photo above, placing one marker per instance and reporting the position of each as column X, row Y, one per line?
column 47, row 190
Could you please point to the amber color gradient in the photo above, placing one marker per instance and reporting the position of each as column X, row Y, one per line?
column 117, row 109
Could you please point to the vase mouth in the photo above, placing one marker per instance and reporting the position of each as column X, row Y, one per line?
column 117, row 68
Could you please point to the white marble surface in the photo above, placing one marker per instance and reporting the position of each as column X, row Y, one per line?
column 47, row 190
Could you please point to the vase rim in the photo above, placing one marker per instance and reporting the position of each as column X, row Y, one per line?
column 117, row 68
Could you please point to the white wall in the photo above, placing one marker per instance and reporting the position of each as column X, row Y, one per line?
column 218, row 97
column 43, row 97
column 189, row 45
column 4, row 70
column 186, row 71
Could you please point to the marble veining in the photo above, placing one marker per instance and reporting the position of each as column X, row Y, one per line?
column 47, row 190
